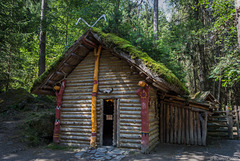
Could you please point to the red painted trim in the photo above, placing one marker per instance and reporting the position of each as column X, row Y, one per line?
column 58, row 112
column 95, row 82
column 143, row 93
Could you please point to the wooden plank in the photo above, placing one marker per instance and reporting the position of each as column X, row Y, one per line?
column 229, row 122
column 183, row 126
column 198, row 129
column 115, row 124
column 187, row 126
column 179, row 124
column 164, row 123
column 195, row 128
column 191, row 126
column 118, row 121
column 101, row 122
column 239, row 113
column 204, row 130
column 167, row 123
column 175, row 123
column 237, row 120
column 171, row 124
column 161, row 122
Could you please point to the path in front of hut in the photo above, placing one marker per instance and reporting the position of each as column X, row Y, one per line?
column 11, row 149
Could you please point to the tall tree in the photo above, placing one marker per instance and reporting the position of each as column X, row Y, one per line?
column 155, row 21
column 42, row 38
column 237, row 10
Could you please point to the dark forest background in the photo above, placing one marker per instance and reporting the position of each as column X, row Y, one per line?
column 196, row 39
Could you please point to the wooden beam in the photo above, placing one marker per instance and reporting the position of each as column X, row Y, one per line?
column 148, row 79
column 51, row 82
column 68, row 65
column 60, row 73
column 47, row 87
column 77, row 56
column 160, row 87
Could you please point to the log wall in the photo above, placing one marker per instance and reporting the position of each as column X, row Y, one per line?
column 182, row 125
column 153, row 119
column 76, row 110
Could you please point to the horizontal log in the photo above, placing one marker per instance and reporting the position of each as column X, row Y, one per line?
column 75, row 138
column 76, row 130
column 79, row 101
column 130, row 124
column 75, row 123
column 130, row 109
column 132, row 132
column 121, row 89
column 75, row 116
column 130, row 112
column 131, row 120
column 77, row 113
column 130, row 100
column 88, row 96
column 130, row 145
column 130, row 116
column 129, row 128
column 130, row 136
column 138, row 141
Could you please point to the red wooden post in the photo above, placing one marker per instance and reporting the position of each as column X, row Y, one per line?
column 143, row 93
column 59, row 95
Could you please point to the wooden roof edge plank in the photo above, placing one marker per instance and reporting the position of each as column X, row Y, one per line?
column 66, row 56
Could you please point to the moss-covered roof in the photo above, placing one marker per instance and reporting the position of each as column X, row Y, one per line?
column 121, row 44
column 41, row 78
column 112, row 41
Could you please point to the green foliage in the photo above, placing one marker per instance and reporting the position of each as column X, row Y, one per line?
column 37, row 127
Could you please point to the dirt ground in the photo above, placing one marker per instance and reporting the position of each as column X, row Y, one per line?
column 12, row 149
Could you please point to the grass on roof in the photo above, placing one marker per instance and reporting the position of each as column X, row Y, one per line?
column 118, row 43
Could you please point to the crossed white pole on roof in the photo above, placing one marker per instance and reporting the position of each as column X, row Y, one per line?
column 103, row 16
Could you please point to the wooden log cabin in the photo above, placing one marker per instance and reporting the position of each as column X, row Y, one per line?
column 139, row 102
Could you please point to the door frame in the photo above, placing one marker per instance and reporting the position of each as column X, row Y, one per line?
column 115, row 121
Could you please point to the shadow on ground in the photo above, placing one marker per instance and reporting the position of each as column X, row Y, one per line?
column 218, row 150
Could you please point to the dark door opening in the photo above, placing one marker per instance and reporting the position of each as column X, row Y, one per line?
column 108, row 108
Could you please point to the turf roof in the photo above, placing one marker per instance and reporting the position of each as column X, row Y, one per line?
column 118, row 43
column 113, row 41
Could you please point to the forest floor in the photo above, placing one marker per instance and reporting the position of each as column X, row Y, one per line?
column 12, row 148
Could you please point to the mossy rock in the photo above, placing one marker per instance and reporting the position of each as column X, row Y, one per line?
column 37, row 128
column 15, row 98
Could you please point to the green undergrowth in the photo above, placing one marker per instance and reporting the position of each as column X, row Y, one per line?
column 37, row 127
column 113, row 41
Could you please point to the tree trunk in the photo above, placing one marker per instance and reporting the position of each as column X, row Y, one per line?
column 237, row 8
column 117, row 4
column 219, row 89
column 9, row 69
column 42, row 39
column 67, row 23
column 201, row 71
column 155, row 22
column 194, row 75
column 200, row 49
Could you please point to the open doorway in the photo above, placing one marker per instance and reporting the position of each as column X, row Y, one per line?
column 108, row 120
